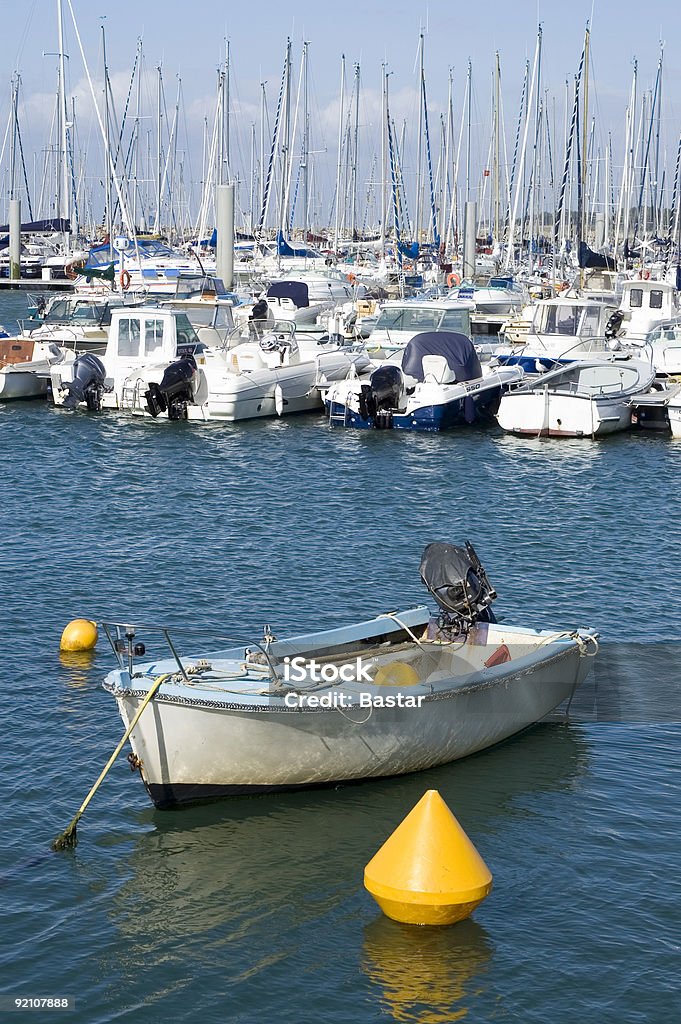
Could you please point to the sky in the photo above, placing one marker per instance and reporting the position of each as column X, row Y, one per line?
column 188, row 41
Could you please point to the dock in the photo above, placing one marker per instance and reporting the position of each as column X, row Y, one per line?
column 35, row 284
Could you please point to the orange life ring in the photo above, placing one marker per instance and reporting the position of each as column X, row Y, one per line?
column 453, row 280
column 352, row 279
column 125, row 280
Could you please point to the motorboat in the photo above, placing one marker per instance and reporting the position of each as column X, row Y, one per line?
column 436, row 382
column 587, row 398
column 25, row 365
column 157, row 363
column 495, row 301
column 400, row 320
column 645, row 305
column 402, row 692
column 76, row 322
column 558, row 330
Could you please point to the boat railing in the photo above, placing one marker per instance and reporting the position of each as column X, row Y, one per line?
column 123, row 640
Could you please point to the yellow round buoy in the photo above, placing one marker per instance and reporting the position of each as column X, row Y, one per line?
column 79, row 635
column 428, row 871
column 397, row 673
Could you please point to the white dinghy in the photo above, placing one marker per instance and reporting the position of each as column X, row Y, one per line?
column 399, row 693
column 582, row 399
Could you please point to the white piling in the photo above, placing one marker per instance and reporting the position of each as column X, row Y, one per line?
column 15, row 239
column 225, row 229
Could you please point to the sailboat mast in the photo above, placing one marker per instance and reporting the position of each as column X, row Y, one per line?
column 468, row 131
column 384, row 129
column 585, row 143
column 159, row 170
column 419, row 153
column 340, row 156
column 65, row 204
column 355, row 155
column 107, row 133
column 496, row 167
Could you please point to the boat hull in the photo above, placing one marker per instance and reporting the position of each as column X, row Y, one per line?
column 431, row 418
column 196, row 749
column 555, row 415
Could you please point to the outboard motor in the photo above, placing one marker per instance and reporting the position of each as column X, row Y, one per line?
column 457, row 580
column 612, row 327
column 381, row 397
column 87, row 384
column 176, row 390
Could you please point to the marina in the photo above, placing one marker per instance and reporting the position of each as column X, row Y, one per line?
column 341, row 435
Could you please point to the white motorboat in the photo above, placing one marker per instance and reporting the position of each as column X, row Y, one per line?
column 399, row 693
column 496, row 299
column 582, row 399
column 436, row 382
column 400, row 320
column 157, row 364
column 304, row 299
column 555, row 330
column 25, row 365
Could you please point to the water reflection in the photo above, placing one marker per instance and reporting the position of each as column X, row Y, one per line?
column 425, row 975
column 226, row 868
column 77, row 666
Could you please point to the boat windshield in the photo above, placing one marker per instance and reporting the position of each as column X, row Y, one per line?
column 571, row 320
column 63, row 311
column 423, row 318
column 254, row 330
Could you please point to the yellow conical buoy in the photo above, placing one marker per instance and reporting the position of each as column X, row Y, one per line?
column 79, row 635
column 428, row 871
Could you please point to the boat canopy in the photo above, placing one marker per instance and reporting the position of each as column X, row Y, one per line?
column 146, row 248
column 457, row 349
column 297, row 291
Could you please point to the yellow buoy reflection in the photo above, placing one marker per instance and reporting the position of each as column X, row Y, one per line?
column 425, row 975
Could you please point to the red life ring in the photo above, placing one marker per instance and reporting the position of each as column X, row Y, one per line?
column 453, row 280
column 125, row 280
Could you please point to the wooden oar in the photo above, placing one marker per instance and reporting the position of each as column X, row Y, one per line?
column 67, row 839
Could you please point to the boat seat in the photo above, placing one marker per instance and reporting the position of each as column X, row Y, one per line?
column 438, row 369
column 209, row 336
column 247, row 357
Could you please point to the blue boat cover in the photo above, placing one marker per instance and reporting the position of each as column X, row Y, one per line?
column 285, row 249
column 457, row 349
column 295, row 290
column 38, row 226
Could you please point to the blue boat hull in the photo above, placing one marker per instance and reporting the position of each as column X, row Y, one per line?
column 429, row 418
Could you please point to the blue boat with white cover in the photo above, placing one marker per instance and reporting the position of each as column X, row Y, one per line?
column 436, row 382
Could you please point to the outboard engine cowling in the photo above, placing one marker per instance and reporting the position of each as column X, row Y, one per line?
column 176, row 390
column 382, row 396
column 457, row 580
column 87, row 384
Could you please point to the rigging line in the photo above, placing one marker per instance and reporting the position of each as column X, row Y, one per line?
column 270, row 166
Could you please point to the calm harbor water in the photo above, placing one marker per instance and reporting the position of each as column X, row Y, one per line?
column 253, row 910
